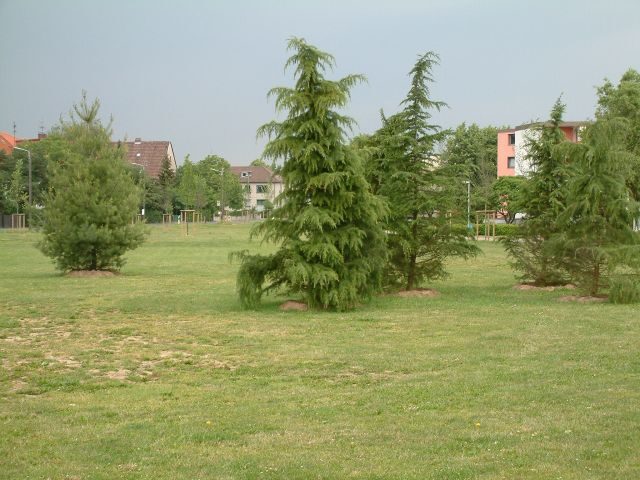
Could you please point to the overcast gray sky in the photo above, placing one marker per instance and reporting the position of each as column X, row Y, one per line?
column 197, row 72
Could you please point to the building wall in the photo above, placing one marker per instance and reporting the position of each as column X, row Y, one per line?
column 504, row 152
column 519, row 150
column 172, row 158
column 275, row 189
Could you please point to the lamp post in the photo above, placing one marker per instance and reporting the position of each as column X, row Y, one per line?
column 248, row 204
column 144, row 188
column 221, row 191
column 468, row 182
column 29, row 156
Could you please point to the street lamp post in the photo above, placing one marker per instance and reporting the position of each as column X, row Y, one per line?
column 221, row 191
column 29, row 156
column 248, row 203
column 468, row 182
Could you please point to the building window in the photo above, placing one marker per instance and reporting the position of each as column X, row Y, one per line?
column 511, row 162
column 261, row 202
column 262, row 188
column 512, row 139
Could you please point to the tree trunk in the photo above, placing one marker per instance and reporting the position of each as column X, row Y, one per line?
column 595, row 280
column 411, row 274
column 94, row 259
column 411, row 277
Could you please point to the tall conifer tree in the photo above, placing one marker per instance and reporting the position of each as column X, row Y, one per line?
column 543, row 200
column 596, row 228
column 331, row 248
column 420, row 192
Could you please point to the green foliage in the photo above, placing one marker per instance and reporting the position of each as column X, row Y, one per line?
column 508, row 197
column 542, row 200
column 596, row 229
column 623, row 101
column 166, row 182
column 403, row 168
column 470, row 153
column 187, row 186
column 16, row 193
column 259, row 162
column 624, row 289
column 331, row 248
column 92, row 198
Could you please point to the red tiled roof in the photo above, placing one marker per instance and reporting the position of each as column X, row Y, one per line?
column 7, row 142
column 149, row 154
column 258, row 175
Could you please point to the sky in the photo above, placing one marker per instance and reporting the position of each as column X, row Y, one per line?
column 197, row 72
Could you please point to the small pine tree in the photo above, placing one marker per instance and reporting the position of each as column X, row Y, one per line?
column 420, row 192
column 542, row 201
column 596, row 229
column 92, row 199
column 331, row 248
column 166, row 181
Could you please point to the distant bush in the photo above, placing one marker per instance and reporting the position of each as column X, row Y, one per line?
column 502, row 229
column 624, row 289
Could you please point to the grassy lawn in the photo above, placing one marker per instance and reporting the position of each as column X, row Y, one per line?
column 158, row 373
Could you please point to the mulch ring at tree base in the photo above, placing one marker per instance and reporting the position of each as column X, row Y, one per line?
column 584, row 299
column 418, row 292
column 91, row 273
column 529, row 286
column 294, row 305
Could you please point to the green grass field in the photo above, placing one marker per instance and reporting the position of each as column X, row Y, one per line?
column 158, row 373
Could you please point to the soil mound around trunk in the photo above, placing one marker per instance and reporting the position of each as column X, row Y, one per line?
column 529, row 286
column 418, row 292
column 293, row 305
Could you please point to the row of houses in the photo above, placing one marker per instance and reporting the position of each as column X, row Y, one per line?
column 261, row 184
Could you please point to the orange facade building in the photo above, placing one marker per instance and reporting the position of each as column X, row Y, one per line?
column 512, row 146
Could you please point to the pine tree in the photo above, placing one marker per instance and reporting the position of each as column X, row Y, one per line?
column 595, row 230
column 331, row 248
column 166, row 181
column 420, row 192
column 543, row 201
column 92, row 199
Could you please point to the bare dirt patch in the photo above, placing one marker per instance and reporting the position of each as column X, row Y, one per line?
column 528, row 286
column 582, row 299
column 68, row 362
column 118, row 374
column 418, row 292
column 91, row 273
column 293, row 305
column 17, row 385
